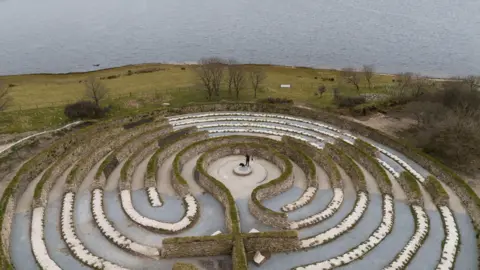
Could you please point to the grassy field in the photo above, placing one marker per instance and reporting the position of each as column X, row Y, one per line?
column 38, row 99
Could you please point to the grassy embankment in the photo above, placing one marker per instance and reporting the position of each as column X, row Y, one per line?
column 38, row 99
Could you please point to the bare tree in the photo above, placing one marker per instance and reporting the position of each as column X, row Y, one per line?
column 321, row 89
column 4, row 97
column 95, row 90
column 473, row 82
column 404, row 82
column 350, row 75
column 257, row 77
column 231, row 70
column 210, row 71
column 236, row 77
column 368, row 71
column 419, row 85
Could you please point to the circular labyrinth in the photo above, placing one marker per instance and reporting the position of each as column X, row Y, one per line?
column 160, row 191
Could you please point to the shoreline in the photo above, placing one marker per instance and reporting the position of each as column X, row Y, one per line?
column 189, row 63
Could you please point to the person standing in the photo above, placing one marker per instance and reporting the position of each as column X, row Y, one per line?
column 247, row 161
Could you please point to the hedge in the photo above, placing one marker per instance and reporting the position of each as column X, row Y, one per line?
column 129, row 141
column 152, row 166
column 411, row 187
column 350, row 167
column 190, row 239
column 370, row 164
column 322, row 159
column 239, row 256
column 270, row 234
column 184, row 266
column 231, row 201
column 366, row 147
column 436, row 191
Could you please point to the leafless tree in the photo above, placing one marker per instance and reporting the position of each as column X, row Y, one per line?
column 4, row 97
column 419, row 85
column 257, row 77
column 350, row 75
column 368, row 71
column 404, row 82
column 321, row 89
column 231, row 70
column 210, row 71
column 95, row 90
column 236, row 77
column 473, row 82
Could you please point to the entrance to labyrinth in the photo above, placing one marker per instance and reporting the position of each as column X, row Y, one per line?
column 169, row 192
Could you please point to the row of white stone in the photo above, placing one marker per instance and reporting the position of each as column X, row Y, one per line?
column 388, row 153
column 263, row 131
column 264, row 115
column 243, row 125
column 112, row 234
column 421, row 231
column 73, row 242
column 389, row 168
column 402, row 163
column 378, row 235
column 192, row 209
column 346, row 224
column 306, row 197
column 331, row 209
column 39, row 247
column 154, row 197
column 263, row 120
column 451, row 241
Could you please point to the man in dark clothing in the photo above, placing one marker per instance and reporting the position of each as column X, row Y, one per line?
column 247, row 161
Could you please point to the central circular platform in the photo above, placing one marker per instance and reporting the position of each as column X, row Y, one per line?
column 242, row 170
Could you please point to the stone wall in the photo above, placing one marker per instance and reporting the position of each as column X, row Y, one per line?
column 370, row 164
column 136, row 142
column 116, row 138
column 166, row 151
column 6, row 229
column 138, row 122
column 239, row 256
column 215, row 187
column 128, row 169
column 466, row 194
column 411, row 188
column 319, row 157
column 271, row 242
column 201, row 246
column 350, row 167
column 437, row 192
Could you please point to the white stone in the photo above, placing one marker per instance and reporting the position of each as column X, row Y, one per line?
column 158, row 225
column 111, row 233
column 332, row 207
column 342, row 227
column 38, row 243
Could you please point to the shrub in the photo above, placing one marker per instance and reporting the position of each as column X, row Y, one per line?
column 83, row 110
column 276, row 100
column 348, row 101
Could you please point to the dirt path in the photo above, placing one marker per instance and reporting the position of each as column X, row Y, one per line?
column 25, row 202
column 372, row 186
column 139, row 174
column 57, row 190
column 164, row 175
column 322, row 178
column 397, row 190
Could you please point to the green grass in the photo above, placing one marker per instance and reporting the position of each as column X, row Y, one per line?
column 38, row 100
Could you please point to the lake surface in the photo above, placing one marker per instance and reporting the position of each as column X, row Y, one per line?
column 433, row 37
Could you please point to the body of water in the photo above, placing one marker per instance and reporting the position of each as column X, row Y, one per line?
column 433, row 37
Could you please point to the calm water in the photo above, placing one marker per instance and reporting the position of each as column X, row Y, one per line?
column 434, row 37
